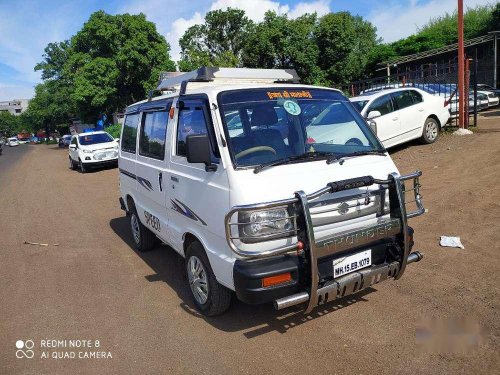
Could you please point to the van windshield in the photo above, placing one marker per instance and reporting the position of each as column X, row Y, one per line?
column 264, row 125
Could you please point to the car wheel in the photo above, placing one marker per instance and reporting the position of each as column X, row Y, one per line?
column 83, row 168
column 144, row 239
column 210, row 297
column 431, row 131
column 71, row 164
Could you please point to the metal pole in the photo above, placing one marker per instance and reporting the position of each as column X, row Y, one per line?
column 461, row 72
column 475, row 87
column 495, row 51
column 466, row 92
column 388, row 73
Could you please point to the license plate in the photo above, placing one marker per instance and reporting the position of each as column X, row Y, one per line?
column 345, row 265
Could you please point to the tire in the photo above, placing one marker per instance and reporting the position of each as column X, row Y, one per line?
column 144, row 239
column 212, row 298
column 431, row 131
column 83, row 168
column 72, row 165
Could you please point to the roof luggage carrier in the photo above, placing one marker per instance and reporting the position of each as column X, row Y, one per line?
column 169, row 81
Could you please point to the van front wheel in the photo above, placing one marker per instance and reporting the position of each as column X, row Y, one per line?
column 210, row 297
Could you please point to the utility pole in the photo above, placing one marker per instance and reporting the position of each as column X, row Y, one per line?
column 461, row 70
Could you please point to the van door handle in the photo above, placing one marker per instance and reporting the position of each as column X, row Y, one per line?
column 395, row 118
column 420, row 109
column 160, row 180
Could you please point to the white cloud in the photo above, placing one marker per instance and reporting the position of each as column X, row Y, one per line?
column 320, row 7
column 401, row 20
column 179, row 26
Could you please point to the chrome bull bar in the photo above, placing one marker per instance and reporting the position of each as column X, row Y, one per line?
column 304, row 231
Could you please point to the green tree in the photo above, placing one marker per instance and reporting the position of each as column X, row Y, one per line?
column 280, row 42
column 9, row 124
column 345, row 42
column 113, row 61
column 55, row 56
column 219, row 41
column 50, row 108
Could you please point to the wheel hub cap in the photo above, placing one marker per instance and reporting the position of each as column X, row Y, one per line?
column 198, row 281
column 135, row 229
column 432, row 130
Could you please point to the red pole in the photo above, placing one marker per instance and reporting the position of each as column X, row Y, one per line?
column 461, row 70
column 466, row 94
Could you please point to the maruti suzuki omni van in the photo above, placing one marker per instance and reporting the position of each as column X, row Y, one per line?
column 271, row 190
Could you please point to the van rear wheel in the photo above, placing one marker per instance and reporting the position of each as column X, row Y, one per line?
column 144, row 239
column 210, row 297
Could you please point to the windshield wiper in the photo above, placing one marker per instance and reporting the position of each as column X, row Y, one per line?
column 333, row 158
column 315, row 155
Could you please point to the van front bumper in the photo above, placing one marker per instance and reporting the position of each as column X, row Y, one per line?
column 248, row 276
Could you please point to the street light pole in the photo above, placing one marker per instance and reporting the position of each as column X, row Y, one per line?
column 461, row 70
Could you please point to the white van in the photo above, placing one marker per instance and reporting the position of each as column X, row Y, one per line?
column 225, row 168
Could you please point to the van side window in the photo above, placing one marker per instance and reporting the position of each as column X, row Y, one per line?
column 129, row 134
column 382, row 104
column 191, row 121
column 153, row 134
column 74, row 142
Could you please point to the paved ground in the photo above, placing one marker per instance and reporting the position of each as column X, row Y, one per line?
column 94, row 286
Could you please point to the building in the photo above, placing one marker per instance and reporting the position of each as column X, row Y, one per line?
column 15, row 106
column 444, row 60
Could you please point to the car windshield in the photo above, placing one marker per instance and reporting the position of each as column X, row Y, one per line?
column 266, row 125
column 91, row 139
column 359, row 104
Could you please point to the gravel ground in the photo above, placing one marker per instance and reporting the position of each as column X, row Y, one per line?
column 94, row 286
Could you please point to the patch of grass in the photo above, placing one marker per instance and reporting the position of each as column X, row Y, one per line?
column 114, row 130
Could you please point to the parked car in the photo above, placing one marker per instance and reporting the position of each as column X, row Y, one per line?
column 491, row 97
column 65, row 140
column 23, row 141
column 268, row 215
column 404, row 114
column 93, row 149
column 12, row 141
column 484, row 87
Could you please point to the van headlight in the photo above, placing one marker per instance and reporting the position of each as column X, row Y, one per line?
column 265, row 225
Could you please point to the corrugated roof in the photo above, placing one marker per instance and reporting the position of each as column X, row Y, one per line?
column 437, row 51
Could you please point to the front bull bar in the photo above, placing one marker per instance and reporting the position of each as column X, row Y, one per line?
column 304, row 231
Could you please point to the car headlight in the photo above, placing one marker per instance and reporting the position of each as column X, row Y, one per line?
column 264, row 225
column 87, row 151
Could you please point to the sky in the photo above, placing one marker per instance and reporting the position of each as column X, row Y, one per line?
column 27, row 26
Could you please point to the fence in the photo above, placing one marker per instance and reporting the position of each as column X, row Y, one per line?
column 438, row 80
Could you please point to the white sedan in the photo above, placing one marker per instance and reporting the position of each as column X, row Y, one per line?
column 92, row 149
column 13, row 141
column 404, row 114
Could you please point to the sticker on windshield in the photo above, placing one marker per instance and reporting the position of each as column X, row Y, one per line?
column 291, row 107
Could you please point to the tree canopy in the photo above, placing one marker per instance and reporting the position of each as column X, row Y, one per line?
column 115, row 59
column 110, row 63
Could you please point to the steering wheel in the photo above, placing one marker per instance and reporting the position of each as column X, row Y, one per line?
column 251, row 150
column 354, row 142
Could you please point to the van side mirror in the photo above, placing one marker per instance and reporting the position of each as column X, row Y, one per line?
column 198, row 151
column 373, row 114
column 72, row 146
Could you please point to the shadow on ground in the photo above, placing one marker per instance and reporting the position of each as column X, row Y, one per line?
column 251, row 320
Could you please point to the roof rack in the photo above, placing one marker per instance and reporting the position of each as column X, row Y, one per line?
column 174, row 82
